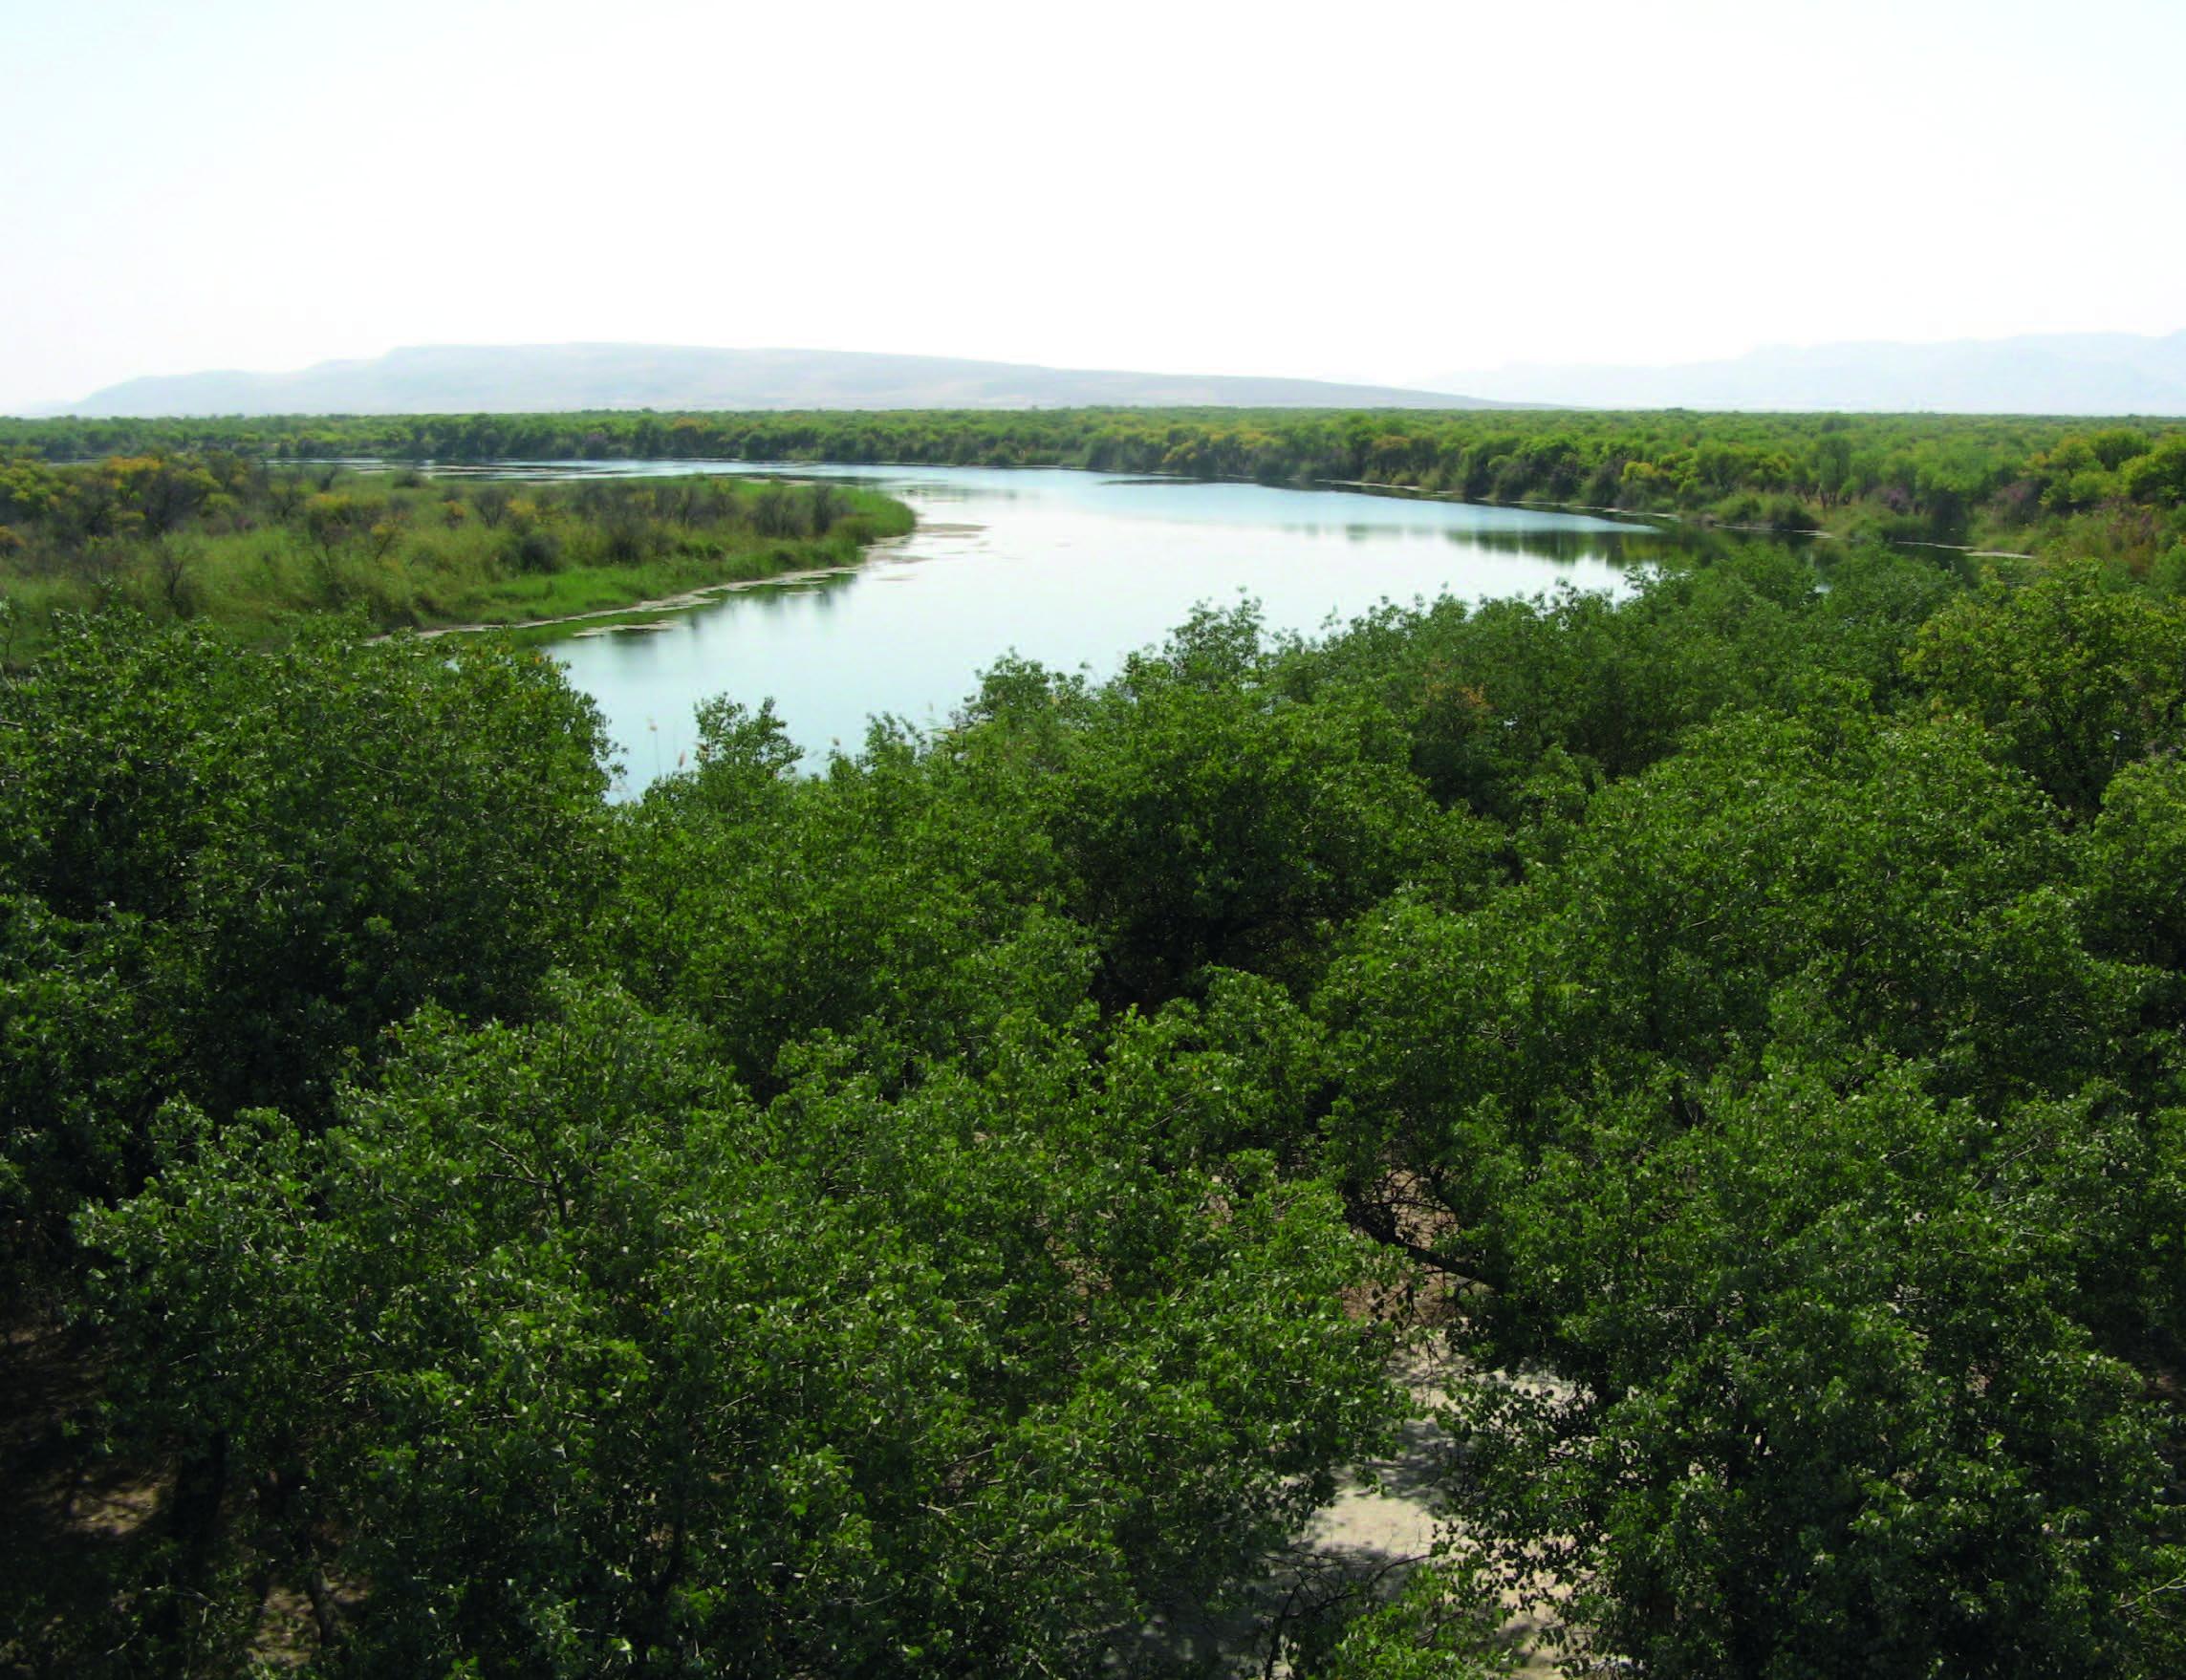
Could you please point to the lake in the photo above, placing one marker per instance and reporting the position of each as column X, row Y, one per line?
column 1072, row 569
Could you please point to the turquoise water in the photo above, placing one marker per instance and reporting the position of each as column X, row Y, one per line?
column 1072, row 569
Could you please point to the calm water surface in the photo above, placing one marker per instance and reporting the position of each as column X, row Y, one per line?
column 1070, row 568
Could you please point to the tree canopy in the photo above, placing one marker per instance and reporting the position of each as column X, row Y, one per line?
column 941, row 1215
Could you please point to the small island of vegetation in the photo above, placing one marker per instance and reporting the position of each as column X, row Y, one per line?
column 253, row 548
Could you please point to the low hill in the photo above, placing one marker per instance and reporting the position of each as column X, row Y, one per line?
column 541, row 377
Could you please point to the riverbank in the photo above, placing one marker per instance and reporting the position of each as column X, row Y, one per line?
column 1848, row 529
column 2110, row 489
column 254, row 551
column 648, row 614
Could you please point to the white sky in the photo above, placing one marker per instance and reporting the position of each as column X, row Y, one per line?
column 1371, row 190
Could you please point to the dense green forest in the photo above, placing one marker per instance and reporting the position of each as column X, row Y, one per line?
column 928, row 1217
column 253, row 548
column 2112, row 488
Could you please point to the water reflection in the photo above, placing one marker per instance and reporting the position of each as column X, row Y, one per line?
column 1070, row 568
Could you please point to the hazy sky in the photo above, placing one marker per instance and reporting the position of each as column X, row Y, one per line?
column 1353, row 190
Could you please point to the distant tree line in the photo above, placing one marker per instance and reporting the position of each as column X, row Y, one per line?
column 2115, row 488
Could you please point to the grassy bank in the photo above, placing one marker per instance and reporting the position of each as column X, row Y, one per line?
column 251, row 549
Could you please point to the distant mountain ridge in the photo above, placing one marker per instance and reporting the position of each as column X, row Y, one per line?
column 2062, row 373
column 545, row 377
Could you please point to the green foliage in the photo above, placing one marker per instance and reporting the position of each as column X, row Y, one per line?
column 2135, row 860
column 2074, row 678
column 1840, row 1393
column 599, row 1366
column 230, row 871
column 254, row 551
column 1444, row 1623
column 1778, row 1109
column 1203, row 820
column 871, row 905
column 894, row 1221
column 1891, row 890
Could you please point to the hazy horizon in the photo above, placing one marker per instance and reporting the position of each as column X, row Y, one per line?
column 2109, row 373
column 1178, row 191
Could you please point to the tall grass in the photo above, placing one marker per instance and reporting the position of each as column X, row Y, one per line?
column 260, row 550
